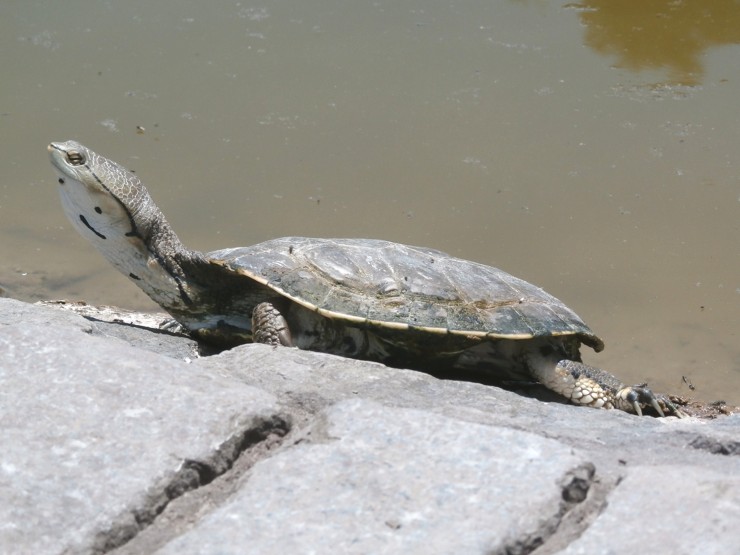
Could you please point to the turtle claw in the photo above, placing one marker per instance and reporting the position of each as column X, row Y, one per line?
column 656, row 406
column 669, row 405
column 634, row 398
column 171, row 325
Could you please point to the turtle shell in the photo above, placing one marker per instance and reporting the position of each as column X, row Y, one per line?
column 399, row 286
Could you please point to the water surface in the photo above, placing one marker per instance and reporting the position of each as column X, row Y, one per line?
column 591, row 148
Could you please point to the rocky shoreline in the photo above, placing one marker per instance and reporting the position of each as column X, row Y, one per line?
column 118, row 438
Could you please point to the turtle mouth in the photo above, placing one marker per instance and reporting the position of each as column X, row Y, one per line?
column 58, row 158
column 54, row 149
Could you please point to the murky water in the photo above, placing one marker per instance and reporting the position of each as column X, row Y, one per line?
column 593, row 148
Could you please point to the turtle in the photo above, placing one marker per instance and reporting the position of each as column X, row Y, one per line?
column 404, row 306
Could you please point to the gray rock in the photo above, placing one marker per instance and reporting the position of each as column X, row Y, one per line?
column 699, row 513
column 14, row 313
column 616, row 443
column 136, row 329
column 721, row 438
column 97, row 437
column 306, row 383
column 370, row 479
column 105, row 444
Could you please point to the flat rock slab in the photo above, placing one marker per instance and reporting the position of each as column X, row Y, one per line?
column 104, row 441
column 371, row 479
column 703, row 516
column 307, row 382
column 102, row 322
column 97, row 436
column 16, row 313
column 617, row 444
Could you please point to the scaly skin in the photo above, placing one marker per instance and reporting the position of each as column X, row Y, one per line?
column 594, row 387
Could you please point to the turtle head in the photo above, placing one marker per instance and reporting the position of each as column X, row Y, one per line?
column 100, row 197
column 109, row 206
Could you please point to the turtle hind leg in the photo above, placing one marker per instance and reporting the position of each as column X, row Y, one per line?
column 269, row 326
column 579, row 383
column 593, row 387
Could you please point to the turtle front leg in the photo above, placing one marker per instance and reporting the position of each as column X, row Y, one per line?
column 586, row 385
column 269, row 326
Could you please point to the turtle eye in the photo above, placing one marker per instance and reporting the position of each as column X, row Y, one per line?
column 75, row 158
